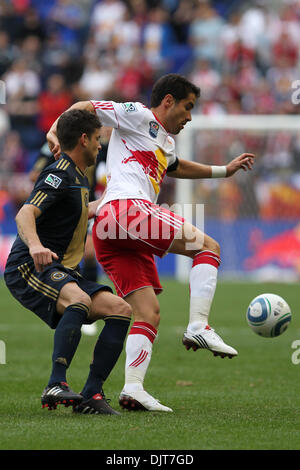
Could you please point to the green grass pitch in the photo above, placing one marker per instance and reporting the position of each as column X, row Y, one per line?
column 249, row 402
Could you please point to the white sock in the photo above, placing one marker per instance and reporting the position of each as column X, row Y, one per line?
column 138, row 354
column 203, row 281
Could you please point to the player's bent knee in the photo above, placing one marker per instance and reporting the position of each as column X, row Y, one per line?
column 71, row 294
column 122, row 308
column 82, row 298
column 216, row 248
column 154, row 317
column 212, row 245
column 150, row 315
column 106, row 304
column 156, row 320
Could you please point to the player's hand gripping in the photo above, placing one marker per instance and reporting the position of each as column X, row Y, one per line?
column 244, row 161
column 42, row 257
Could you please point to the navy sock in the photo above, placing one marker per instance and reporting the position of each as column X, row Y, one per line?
column 66, row 339
column 106, row 353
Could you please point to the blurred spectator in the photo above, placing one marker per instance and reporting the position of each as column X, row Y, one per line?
column 138, row 9
column 22, row 89
column 207, row 78
column 105, row 17
column 53, row 101
column 134, row 79
column 30, row 51
column 13, row 156
column 263, row 100
column 289, row 21
column 181, row 20
column 54, row 56
column 96, row 80
column 285, row 48
column 10, row 18
column 159, row 41
column 68, row 18
column 8, row 52
column 230, row 199
column 31, row 26
column 280, row 78
column 252, row 25
column 21, row 82
column 126, row 39
column 278, row 151
column 236, row 54
column 205, row 32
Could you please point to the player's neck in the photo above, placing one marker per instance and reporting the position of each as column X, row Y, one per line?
column 160, row 116
column 78, row 159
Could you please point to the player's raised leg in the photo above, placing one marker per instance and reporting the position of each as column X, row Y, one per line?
column 205, row 252
column 139, row 343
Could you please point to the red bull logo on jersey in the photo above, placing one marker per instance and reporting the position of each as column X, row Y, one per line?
column 147, row 160
column 153, row 164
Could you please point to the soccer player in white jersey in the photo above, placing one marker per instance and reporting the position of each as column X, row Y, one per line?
column 130, row 228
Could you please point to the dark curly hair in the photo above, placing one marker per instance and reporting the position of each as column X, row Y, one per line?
column 72, row 124
column 176, row 85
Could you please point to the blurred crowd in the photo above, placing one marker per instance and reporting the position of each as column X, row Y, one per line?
column 244, row 55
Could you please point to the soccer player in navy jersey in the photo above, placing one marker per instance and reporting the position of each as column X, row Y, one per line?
column 42, row 267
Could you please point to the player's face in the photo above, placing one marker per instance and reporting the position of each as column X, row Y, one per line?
column 180, row 113
column 93, row 148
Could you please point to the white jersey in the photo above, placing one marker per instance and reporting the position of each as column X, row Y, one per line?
column 139, row 152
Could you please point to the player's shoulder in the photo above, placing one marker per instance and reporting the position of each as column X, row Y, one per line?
column 133, row 106
column 63, row 164
column 57, row 174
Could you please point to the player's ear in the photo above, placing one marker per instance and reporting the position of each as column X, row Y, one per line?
column 168, row 100
column 84, row 140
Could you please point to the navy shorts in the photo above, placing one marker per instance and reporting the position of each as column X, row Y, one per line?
column 39, row 292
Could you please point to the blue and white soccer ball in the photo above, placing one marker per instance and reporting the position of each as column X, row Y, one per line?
column 268, row 315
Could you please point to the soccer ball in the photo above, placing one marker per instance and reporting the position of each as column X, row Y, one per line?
column 268, row 315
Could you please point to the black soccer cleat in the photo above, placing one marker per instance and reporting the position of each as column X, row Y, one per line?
column 59, row 394
column 96, row 405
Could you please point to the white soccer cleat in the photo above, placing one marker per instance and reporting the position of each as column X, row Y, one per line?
column 140, row 400
column 207, row 338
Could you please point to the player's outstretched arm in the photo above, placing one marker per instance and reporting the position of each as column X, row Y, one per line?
column 26, row 223
column 193, row 170
column 52, row 135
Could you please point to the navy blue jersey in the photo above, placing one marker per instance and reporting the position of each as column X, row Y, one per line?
column 62, row 194
column 46, row 157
